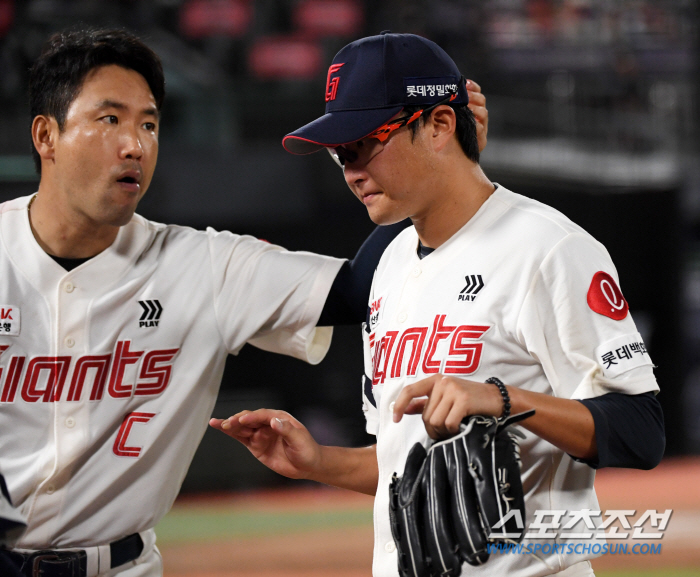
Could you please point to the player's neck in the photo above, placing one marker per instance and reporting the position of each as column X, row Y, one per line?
column 456, row 198
column 66, row 233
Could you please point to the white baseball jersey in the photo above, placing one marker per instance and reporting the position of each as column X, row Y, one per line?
column 520, row 293
column 109, row 373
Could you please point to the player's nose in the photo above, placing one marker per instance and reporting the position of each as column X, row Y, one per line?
column 354, row 175
column 131, row 147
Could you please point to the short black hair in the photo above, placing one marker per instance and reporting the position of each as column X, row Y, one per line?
column 466, row 128
column 68, row 57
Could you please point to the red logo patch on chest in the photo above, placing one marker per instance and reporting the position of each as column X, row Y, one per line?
column 605, row 297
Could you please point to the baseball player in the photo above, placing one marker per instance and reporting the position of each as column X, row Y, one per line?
column 114, row 330
column 486, row 283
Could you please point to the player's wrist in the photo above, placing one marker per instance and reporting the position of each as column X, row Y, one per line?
column 320, row 467
column 500, row 392
column 353, row 468
column 522, row 401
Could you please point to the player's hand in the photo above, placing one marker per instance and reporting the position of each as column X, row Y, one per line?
column 477, row 104
column 445, row 401
column 276, row 439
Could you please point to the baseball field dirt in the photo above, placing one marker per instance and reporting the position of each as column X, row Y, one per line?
column 313, row 531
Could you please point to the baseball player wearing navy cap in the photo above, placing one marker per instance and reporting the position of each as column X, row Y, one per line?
column 115, row 329
column 370, row 82
column 486, row 283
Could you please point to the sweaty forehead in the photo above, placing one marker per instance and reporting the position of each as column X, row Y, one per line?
column 114, row 84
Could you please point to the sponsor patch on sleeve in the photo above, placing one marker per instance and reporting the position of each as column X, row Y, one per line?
column 622, row 354
column 605, row 297
column 9, row 320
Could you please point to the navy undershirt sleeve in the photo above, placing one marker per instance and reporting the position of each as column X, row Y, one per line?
column 629, row 430
column 347, row 300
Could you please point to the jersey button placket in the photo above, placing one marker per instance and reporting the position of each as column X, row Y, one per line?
column 69, row 287
column 73, row 426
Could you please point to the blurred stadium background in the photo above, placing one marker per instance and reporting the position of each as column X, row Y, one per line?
column 593, row 109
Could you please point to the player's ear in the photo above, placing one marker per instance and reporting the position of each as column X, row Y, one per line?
column 44, row 135
column 442, row 125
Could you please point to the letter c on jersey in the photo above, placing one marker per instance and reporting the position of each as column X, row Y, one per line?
column 120, row 448
column 605, row 297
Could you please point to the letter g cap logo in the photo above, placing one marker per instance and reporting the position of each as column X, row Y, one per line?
column 332, row 83
column 605, row 297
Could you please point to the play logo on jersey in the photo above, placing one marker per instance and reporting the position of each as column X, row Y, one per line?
column 474, row 284
column 605, row 297
column 151, row 313
column 9, row 320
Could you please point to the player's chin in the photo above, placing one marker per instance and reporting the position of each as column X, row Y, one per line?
column 122, row 216
column 383, row 217
column 116, row 215
column 120, row 210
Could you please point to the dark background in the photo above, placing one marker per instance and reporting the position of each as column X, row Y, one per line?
column 593, row 110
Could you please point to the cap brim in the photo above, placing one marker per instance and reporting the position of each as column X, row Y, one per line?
column 337, row 128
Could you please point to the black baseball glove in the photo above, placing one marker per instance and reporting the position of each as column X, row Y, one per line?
column 444, row 507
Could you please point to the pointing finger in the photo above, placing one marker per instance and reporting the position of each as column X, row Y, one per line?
column 416, row 406
column 435, row 400
column 409, row 392
column 226, row 424
column 216, row 423
column 233, row 428
column 261, row 417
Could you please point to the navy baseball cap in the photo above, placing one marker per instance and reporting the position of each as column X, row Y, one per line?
column 370, row 81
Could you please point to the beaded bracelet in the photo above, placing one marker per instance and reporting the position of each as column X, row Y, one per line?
column 504, row 394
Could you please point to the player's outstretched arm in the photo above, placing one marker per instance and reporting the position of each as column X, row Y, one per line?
column 445, row 401
column 285, row 445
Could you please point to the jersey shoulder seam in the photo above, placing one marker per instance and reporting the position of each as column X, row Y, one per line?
column 530, row 210
column 538, row 271
column 151, row 224
column 13, row 204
